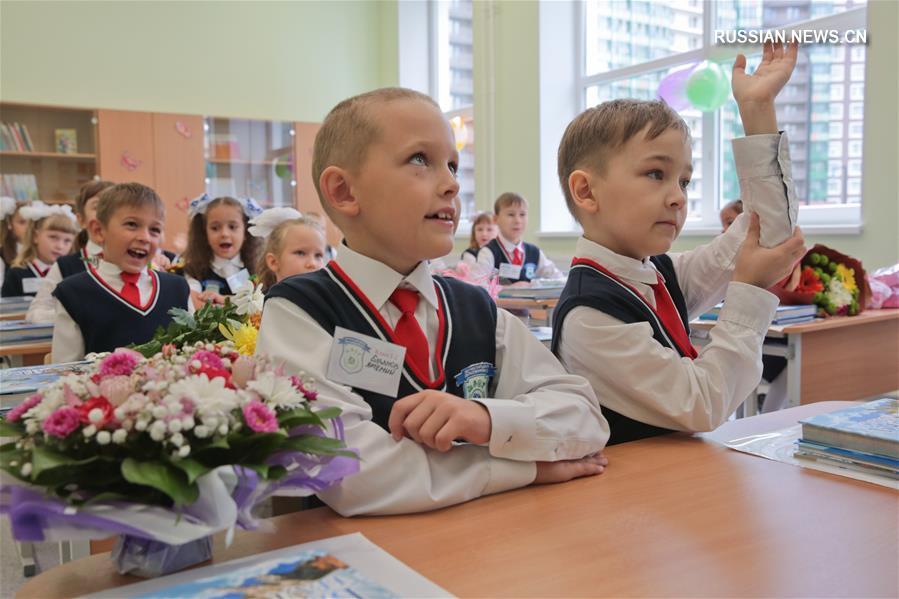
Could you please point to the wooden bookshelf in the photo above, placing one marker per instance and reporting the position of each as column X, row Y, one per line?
column 51, row 155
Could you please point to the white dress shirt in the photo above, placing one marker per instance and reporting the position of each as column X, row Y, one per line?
column 537, row 410
column 635, row 375
column 545, row 266
column 223, row 267
column 43, row 307
column 68, row 342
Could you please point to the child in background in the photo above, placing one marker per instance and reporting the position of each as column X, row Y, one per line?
column 729, row 213
column 50, row 234
column 220, row 255
column 120, row 301
column 315, row 217
column 294, row 245
column 384, row 166
column 43, row 307
column 12, row 232
column 518, row 261
column 622, row 319
column 483, row 231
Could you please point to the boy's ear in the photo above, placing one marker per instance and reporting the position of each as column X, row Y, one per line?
column 337, row 192
column 580, row 186
column 95, row 229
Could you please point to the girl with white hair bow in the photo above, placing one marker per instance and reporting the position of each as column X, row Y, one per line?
column 294, row 244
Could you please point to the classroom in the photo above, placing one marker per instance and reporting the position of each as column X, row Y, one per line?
column 557, row 298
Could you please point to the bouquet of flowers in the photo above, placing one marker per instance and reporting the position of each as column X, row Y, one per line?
column 169, row 449
column 832, row 281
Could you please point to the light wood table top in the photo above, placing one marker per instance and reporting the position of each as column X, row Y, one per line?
column 22, row 349
column 520, row 303
column 13, row 316
column 819, row 324
column 672, row 516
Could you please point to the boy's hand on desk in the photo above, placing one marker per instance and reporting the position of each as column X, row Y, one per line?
column 565, row 470
column 755, row 93
column 763, row 267
column 436, row 419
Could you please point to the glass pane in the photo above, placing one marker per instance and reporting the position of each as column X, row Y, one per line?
column 756, row 14
column 820, row 121
column 254, row 159
column 463, row 127
column 455, row 87
column 620, row 33
column 645, row 87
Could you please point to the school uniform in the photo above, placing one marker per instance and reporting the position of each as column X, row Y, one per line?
column 24, row 280
column 94, row 313
column 529, row 257
column 470, row 256
column 217, row 273
column 538, row 411
column 43, row 306
column 4, row 265
column 610, row 324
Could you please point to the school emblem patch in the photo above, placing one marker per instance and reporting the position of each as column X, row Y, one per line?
column 352, row 354
column 475, row 380
column 530, row 270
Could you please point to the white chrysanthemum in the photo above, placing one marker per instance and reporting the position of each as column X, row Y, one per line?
column 248, row 299
column 838, row 293
column 210, row 397
column 275, row 390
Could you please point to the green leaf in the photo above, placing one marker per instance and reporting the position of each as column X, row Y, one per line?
column 328, row 413
column 192, row 468
column 254, row 449
column 318, row 445
column 11, row 429
column 44, row 459
column 183, row 317
column 165, row 477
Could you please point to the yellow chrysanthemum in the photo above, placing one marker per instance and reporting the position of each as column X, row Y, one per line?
column 244, row 338
column 847, row 275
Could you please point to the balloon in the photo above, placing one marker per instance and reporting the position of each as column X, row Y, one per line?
column 708, row 87
column 673, row 88
column 284, row 167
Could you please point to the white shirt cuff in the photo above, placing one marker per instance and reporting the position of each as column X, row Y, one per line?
column 512, row 427
column 749, row 306
column 506, row 475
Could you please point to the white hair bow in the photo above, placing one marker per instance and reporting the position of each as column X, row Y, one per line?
column 200, row 204
column 7, row 206
column 38, row 210
column 265, row 223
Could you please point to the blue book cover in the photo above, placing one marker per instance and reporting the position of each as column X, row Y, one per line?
column 871, row 427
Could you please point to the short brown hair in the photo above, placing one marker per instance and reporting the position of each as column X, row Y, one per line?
column 590, row 137
column 88, row 190
column 127, row 194
column 199, row 255
column 480, row 218
column 349, row 130
column 510, row 198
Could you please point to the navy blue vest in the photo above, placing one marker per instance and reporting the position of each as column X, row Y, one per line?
column 208, row 275
column 467, row 342
column 528, row 267
column 471, row 251
column 12, row 281
column 588, row 287
column 107, row 321
column 71, row 264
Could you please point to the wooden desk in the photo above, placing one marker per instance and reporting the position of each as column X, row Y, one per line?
column 671, row 516
column 13, row 316
column 538, row 310
column 32, row 354
column 838, row 358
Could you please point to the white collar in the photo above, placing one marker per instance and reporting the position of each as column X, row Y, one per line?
column 92, row 249
column 41, row 265
column 110, row 272
column 508, row 245
column 628, row 269
column 226, row 267
column 378, row 281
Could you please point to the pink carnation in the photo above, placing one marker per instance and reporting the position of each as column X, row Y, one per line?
column 121, row 362
column 259, row 417
column 14, row 414
column 299, row 386
column 208, row 359
column 62, row 422
column 116, row 389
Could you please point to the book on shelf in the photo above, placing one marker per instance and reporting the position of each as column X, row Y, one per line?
column 22, row 331
column 66, row 141
column 28, row 142
column 22, row 187
column 15, row 138
column 14, row 304
column 344, row 566
column 16, row 384
column 869, row 428
column 783, row 315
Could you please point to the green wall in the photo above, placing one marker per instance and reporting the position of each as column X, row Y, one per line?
column 273, row 60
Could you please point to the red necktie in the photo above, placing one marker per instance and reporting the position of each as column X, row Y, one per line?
column 130, row 291
column 517, row 257
column 671, row 319
column 408, row 332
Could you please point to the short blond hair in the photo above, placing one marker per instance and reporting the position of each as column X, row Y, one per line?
column 510, row 198
column 593, row 134
column 350, row 129
column 274, row 244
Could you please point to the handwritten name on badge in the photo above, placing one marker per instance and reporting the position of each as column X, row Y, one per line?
column 365, row 362
column 30, row 285
column 509, row 271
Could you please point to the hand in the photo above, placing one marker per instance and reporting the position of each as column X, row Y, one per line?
column 565, row 470
column 763, row 267
column 161, row 261
column 436, row 419
column 755, row 93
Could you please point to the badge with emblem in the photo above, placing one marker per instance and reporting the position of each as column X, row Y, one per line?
column 475, row 380
column 530, row 270
column 352, row 354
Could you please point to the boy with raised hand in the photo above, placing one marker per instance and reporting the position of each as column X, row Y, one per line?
column 417, row 362
column 622, row 319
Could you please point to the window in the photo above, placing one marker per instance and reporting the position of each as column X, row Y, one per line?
column 628, row 46
column 453, row 87
column 856, row 129
column 854, row 168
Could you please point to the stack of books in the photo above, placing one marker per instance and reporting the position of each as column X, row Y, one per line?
column 16, row 384
column 15, row 304
column 784, row 314
column 14, row 137
column 539, row 289
column 22, row 331
column 864, row 438
column 22, row 187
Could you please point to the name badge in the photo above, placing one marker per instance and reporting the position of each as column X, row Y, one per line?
column 365, row 362
column 238, row 279
column 30, row 285
column 509, row 271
